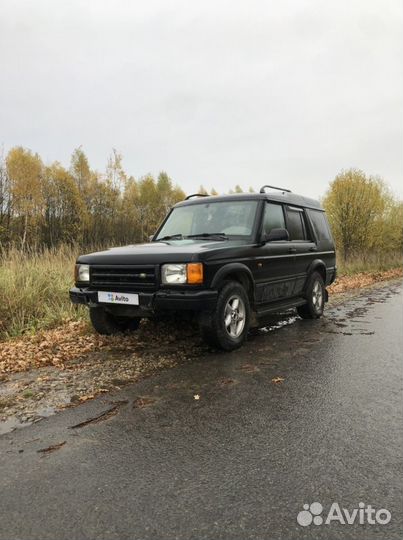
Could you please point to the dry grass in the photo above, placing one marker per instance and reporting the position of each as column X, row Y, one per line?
column 34, row 287
column 370, row 262
column 34, row 290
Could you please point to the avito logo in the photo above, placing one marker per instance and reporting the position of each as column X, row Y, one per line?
column 121, row 298
column 112, row 297
column 311, row 513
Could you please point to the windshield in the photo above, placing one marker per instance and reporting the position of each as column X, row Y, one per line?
column 215, row 219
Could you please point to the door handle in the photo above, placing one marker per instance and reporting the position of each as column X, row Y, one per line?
column 293, row 250
column 313, row 248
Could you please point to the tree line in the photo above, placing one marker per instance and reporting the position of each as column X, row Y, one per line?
column 49, row 205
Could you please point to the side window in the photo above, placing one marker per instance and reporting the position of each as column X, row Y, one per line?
column 320, row 226
column 296, row 224
column 273, row 217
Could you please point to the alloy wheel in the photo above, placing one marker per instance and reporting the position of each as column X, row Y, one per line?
column 317, row 296
column 234, row 316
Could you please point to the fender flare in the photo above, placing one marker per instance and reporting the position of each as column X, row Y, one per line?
column 232, row 268
column 315, row 264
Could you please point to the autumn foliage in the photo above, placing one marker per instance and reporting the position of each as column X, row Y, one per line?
column 48, row 205
column 366, row 219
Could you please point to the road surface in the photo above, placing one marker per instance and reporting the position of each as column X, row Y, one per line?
column 310, row 412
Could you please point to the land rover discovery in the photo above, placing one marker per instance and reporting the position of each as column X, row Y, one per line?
column 227, row 260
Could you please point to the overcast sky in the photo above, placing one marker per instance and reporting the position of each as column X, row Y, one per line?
column 214, row 92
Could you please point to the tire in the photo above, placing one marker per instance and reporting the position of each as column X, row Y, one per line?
column 105, row 323
column 227, row 326
column 315, row 296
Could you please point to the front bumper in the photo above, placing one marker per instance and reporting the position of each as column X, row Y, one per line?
column 150, row 303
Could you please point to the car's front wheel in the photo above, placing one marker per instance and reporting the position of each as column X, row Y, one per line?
column 227, row 326
column 107, row 324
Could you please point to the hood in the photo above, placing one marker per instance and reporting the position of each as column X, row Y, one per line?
column 159, row 252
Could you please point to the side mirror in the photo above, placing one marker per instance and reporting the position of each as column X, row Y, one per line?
column 276, row 235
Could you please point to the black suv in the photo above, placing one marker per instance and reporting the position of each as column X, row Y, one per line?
column 229, row 260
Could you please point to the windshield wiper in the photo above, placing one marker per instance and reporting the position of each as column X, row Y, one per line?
column 178, row 236
column 218, row 235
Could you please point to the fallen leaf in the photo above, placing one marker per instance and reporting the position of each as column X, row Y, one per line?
column 196, row 397
column 277, row 380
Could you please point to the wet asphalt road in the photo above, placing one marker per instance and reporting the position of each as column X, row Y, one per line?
column 241, row 461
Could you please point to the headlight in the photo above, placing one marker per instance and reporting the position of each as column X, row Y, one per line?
column 173, row 273
column 191, row 273
column 82, row 272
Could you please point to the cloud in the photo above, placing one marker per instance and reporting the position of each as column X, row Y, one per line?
column 217, row 93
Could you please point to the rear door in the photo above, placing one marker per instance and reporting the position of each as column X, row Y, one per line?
column 273, row 270
column 301, row 244
column 324, row 241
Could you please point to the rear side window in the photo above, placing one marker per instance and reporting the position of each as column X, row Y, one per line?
column 296, row 224
column 273, row 217
column 320, row 227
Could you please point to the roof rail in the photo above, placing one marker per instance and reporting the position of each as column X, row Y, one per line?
column 196, row 195
column 262, row 189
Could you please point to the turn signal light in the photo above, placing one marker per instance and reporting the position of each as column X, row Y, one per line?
column 195, row 273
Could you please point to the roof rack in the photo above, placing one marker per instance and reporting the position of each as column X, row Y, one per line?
column 262, row 189
column 196, row 195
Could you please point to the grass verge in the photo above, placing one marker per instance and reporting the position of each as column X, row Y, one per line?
column 34, row 290
column 34, row 286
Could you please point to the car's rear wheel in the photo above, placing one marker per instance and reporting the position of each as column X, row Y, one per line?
column 315, row 296
column 107, row 324
column 227, row 326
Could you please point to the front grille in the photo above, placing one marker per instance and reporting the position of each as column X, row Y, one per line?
column 124, row 277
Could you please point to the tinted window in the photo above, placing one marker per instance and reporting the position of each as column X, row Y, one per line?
column 320, row 226
column 295, row 224
column 273, row 217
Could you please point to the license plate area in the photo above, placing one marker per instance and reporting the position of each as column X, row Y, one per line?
column 127, row 299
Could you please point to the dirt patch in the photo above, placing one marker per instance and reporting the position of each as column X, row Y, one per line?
column 41, row 385
column 69, row 346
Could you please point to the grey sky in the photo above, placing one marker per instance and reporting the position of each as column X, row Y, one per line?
column 214, row 92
